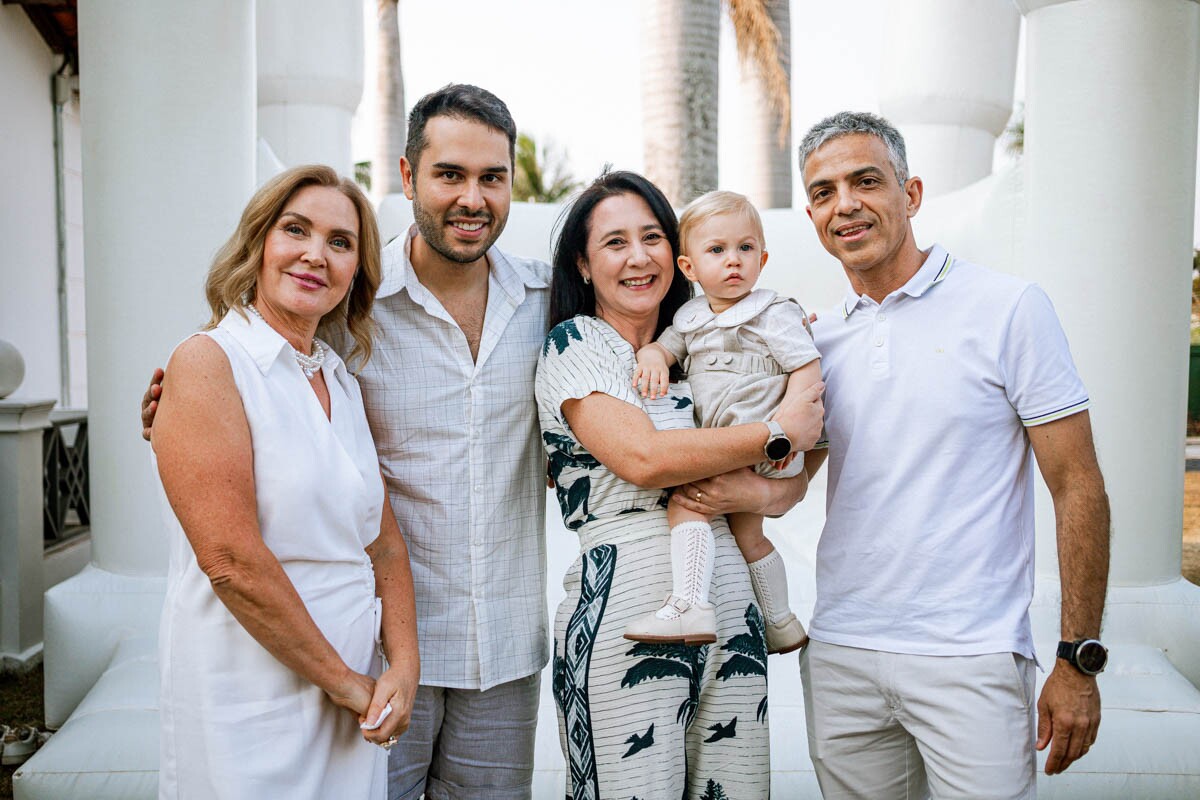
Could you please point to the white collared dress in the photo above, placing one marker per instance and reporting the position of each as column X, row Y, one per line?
column 738, row 361
column 235, row 722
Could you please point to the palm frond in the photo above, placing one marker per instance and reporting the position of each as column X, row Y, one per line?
column 653, row 668
column 761, row 47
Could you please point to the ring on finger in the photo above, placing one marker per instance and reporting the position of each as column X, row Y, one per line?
column 389, row 742
column 699, row 496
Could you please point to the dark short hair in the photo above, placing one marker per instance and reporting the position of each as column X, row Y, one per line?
column 569, row 295
column 462, row 101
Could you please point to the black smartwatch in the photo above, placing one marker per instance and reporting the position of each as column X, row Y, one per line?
column 778, row 445
column 1086, row 655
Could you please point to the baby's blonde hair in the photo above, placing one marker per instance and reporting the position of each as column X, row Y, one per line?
column 714, row 204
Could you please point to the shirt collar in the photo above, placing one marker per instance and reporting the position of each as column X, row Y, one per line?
column 264, row 343
column 696, row 313
column 512, row 274
column 932, row 272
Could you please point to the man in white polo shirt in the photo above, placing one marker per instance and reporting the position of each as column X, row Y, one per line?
column 945, row 382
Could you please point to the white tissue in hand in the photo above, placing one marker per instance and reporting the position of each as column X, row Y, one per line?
column 379, row 722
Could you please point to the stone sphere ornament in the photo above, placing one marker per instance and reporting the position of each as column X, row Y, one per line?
column 12, row 369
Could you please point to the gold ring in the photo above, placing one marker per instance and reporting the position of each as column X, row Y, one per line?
column 391, row 740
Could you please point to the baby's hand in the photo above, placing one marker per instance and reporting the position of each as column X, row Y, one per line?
column 651, row 381
column 653, row 374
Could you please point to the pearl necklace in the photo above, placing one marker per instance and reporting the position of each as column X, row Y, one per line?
column 309, row 365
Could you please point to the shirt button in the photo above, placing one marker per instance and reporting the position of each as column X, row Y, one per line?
column 881, row 316
column 712, row 360
column 879, row 342
column 478, row 488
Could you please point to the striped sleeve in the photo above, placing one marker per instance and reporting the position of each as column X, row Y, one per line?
column 577, row 360
column 1039, row 374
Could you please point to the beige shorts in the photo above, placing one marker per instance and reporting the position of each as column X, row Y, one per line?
column 889, row 725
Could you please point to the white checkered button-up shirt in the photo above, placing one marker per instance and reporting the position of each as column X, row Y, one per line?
column 460, row 447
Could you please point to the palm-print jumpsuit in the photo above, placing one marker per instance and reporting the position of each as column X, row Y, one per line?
column 643, row 721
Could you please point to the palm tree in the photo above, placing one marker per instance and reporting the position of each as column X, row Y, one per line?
column 749, row 653
column 679, row 95
column 762, row 29
column 540, row 177
column 670, row 661
column 389, row 110
column 680, row 42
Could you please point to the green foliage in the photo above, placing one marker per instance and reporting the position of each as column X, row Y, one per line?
column 1015, row 132
column 1195, row 295
column 362, row 174
column 541, row 177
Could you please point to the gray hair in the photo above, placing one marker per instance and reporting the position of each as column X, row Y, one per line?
column 845, row 123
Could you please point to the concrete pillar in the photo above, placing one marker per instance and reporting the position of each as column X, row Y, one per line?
column 21, row 426
column 310, row 79
column 1110, row 153
column 947, row 83
column 167, row 104
column 169, row 163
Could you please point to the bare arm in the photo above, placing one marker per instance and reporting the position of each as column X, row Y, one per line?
column 394, row 586
column 622, row 437
column 1069, row 706
column 202, row 442
column 744, row 490
column 799, row 381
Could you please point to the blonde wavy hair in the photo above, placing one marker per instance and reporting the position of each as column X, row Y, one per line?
column 233, row 278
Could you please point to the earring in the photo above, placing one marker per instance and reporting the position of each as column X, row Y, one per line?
column 586, row 280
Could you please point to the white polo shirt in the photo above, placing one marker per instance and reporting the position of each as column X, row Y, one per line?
column 929, row 538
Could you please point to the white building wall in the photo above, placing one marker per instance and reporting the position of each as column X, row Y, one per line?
column 28, row 259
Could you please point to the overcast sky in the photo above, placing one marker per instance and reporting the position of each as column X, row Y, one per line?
column 569, row 70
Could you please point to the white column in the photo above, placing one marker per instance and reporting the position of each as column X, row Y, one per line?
column 947, row 83
column 167, row 103
column 310, row 79
column 1110, row 154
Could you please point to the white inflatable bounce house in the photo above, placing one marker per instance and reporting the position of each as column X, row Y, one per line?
column 1099, row 211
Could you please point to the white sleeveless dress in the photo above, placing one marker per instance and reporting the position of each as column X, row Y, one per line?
column 236, row 723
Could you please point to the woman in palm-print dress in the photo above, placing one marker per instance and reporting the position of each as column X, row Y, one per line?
column 642, row 720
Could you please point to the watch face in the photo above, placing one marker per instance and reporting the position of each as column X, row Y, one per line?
column 778, row 449
column 1091, row 656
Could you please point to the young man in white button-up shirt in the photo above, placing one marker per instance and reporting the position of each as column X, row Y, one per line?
column 942, row 376
column 449, row 395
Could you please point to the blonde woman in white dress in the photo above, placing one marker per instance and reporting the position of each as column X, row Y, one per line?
column 288, row 576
